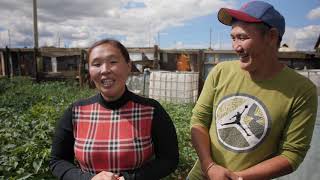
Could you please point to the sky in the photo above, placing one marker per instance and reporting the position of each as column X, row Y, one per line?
column 144, row 23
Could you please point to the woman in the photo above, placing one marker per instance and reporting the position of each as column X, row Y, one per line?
column 114, row 134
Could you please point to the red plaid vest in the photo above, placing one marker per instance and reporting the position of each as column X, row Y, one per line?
column 112, row 140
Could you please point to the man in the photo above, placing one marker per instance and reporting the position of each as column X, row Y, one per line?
column 255, row 117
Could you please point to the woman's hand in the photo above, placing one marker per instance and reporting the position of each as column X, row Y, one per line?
column 217, row 172
column 105, row 176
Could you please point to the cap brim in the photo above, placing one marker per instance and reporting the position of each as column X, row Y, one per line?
column 226, row 15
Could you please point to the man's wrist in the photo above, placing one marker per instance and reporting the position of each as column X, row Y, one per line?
column 209, row 167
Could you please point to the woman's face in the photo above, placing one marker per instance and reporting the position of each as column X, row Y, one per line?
column 109, row 71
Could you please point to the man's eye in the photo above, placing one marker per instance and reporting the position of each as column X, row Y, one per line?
column 242, row 38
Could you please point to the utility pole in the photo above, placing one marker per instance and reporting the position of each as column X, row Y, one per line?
column 220, row 40
column 59, row 40
column 149, row 33
column 210, row 38
column 158, row 38
column 35, row 24
column 9, row 38
column 35, row 37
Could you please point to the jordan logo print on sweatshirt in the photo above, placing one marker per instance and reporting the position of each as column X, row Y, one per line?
column 242, row 122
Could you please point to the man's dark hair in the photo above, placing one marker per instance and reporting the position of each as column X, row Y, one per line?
column 264, row 28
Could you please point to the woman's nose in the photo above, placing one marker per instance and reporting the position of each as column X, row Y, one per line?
column 105, row 68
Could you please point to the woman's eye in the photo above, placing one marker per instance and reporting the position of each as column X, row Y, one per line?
column 113, row 61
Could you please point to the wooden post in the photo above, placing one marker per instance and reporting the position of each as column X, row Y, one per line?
column 19, row 62
column 201, row 58
column 35, row 58
column 156, row 56
column 8, row 62
column 81, row 68
column 2, row 65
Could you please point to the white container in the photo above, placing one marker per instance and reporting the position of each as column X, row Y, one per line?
column 313, row 75
column 138, row 84
column 177, row 87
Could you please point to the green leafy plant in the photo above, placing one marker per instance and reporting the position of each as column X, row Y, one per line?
column 28, row 115
column 180, row 115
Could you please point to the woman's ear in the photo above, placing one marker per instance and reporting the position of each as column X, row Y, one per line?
column 130, row 66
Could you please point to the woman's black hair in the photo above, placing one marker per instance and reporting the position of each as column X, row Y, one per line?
column 114, row 43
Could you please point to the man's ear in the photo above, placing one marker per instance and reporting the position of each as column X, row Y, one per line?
column 274, row 35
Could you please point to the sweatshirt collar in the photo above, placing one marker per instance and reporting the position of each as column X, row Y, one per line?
column 126, row 96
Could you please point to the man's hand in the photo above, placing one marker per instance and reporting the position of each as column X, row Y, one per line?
column 217, row 172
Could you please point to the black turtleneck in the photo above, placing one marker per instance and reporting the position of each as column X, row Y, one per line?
column 164, row 138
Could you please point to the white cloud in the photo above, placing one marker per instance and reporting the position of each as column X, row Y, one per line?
column 181, row 45
column 301, row 38
column 314, row 13
column 135, row 22
column 79, row 22
column 81, row 43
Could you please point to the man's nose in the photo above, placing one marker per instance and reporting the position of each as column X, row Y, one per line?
column 236, row 46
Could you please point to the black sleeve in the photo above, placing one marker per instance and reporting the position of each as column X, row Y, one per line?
column 165, row 146
column 62, row 155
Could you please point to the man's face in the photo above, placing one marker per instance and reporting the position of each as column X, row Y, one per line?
column 251, row 46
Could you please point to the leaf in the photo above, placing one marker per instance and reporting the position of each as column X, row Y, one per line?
column 25, row 176
column 15, row 164
column 36, row 165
